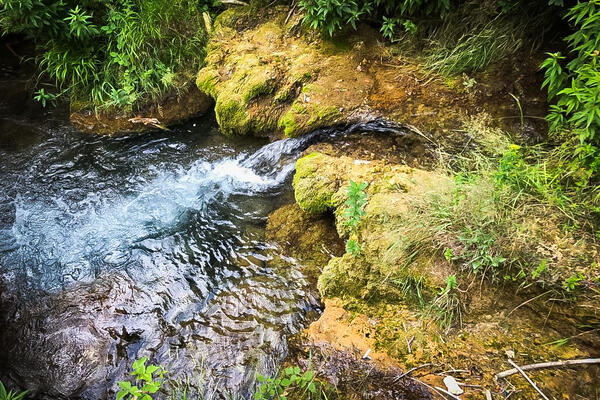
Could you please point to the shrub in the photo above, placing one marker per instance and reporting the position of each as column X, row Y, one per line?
column 331, row 15
column 112, row 53
column 575, row 87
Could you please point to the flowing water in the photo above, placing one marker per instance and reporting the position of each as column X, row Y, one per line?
column 115, row 248
column 146, row 245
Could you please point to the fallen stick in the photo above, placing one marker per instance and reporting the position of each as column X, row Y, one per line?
column 532, row 383
column 413, row 369
column 438, row 391
column 550, row 364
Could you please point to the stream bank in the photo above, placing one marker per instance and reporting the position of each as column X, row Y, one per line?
column 392, row 302
column 415, row 294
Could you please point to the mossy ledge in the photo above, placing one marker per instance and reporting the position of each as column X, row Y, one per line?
column 270, row 77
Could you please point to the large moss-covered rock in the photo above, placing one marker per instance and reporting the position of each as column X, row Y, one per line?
column 320, row 185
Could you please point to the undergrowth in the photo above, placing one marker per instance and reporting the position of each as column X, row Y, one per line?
column 507, row 214
column 10, row 394
column 454, row 37
column 112, row 54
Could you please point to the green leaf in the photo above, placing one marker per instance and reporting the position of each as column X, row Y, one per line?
column 308, row 375
column 125, row 385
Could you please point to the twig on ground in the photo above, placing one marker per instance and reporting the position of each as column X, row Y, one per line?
column 408, row 342
column 234, row 2
column 413, row 369
column 532, row 383
column 414, row 129
column 525, row 302
column 435, row 390
column 550, row 364
column 291, row 12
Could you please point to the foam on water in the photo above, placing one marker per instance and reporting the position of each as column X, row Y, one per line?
column 53, row 236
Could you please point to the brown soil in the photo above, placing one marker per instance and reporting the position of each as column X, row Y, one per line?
column 172, row 109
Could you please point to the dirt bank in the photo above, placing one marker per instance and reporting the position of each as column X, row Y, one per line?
column 172, row 109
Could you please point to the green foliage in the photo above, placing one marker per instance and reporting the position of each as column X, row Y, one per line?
column 353, row 247
column 10, row 395
column 575, row 87
column 571, row 283
column 290, row 383
column 45, row 98
column 357, row 198
column 112, row 53
column 446, row 306
column 456, row 52
column 148, row 380
column 332, row 15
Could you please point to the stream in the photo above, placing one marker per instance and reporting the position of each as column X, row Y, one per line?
column 147, row 245
column 116, row 248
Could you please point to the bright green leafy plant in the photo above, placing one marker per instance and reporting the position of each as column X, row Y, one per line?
column 10, row 395
column 575, row 86
column 357, row 199
column 290, row 381
column 148, row 380
column 105, row 54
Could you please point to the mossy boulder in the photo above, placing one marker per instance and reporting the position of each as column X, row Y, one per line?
column 266, row 81
column 384, row 266
column 313, row 191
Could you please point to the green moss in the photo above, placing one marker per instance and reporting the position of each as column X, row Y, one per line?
column 312, row 192
column 207, row 80
column 343, row 276
column 289, row 125
column 229, row 17
column 232, row 116
column 283, row 95
column 257, row 89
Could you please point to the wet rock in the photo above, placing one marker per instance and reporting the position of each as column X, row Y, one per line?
column 78, row 343
column 170, row 110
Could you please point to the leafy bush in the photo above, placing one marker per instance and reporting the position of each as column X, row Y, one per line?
column 149, row 377
column 291, row 382
column 576, row 86
column 331, row 15
column 112, row 53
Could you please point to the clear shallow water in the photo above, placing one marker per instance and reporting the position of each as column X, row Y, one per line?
column 147, row 245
